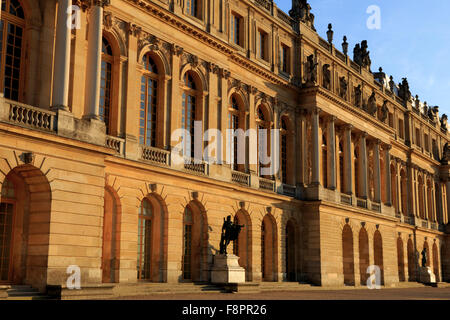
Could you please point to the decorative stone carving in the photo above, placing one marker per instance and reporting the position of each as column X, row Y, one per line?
column 301, row 11
column 27, row 157
column 326, row 76
column 176, row 50
column 361, row 55
column 311, row 71
column 108, row 20
column 444, row 119
column 445, row 154
column 403, row 91
column 133, row 29
column 343, row 86
column 391, row 83
column 358, row 96
column 384, row 111
column 372, row 104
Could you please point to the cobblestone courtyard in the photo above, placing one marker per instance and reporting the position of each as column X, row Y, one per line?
column 360, row 294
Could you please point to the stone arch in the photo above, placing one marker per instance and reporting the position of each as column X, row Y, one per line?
column 160, row 59
column 378, row 252
column 33, row 12
column 292, row 246
column 29, row 231
column 411, row 260
column 243, row 246
column 195, row 250
column 114, row 35
column 241, row 97
column 401, row 260
column 269, row 248
column 348, row 255
column 364, row 261
column 111, row 236
column 199, row 77
column 266, row 109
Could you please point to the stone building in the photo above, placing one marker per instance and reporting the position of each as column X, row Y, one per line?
column 93, row 93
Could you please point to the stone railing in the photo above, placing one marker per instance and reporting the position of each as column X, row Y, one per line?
column 240, row 177
column 32, row 117
column 265, row 4
column 433, row 226
column 266, row 184
column 288, row 190
column 155, row 155
column 376, row 207
column 284, row 17
column 424, row 224
column 346, row 199
column 408, row 220
column 198, row 168
column 115, row 143
column 362, row 203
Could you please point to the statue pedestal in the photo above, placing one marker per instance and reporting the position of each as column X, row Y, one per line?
column 426, row 275
column 226, row 269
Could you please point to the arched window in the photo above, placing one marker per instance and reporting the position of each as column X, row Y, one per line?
column 149, row 103
column 234, row 123
column 284, row 151
column 263, row 125
column 189, row 110
column 144, row 240
column 430, row 201
column 106, row 84
column 421, row 198
column 12, row 26
column 394, row 187
column 403, row 193
column 356, row 165
column 263, row 249
column 8, row 190
column 187, row 244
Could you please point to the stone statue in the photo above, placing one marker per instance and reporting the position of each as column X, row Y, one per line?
column 372, row 104
column 424, row 258
column 301, row 11
column 311, row 71
column 391, row 84
column 343, row 87
column 430, row 113
column 445, row 154
column 358, row 96
column 444, row 122
column 403, row 91
column 361, row 55
column 230, row 232
column 384, row 111
column 326, row 76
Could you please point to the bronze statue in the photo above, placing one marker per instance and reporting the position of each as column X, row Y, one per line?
column 424, row 257
column 230, row 232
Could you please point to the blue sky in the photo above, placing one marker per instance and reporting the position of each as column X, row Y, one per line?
column 413, row 42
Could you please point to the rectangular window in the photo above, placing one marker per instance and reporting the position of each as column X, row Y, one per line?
column 263, row 42
column 235, row 29
column 401, row 130
column 426, row 143
column 418, row 140
column 391, row 120
column 285, row 59
column 435, row 150
column 193, row 8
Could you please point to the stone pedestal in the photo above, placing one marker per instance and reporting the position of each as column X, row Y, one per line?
column 226, row 269
column 426, row 275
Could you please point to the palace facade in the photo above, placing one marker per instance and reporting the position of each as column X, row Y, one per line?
column 93, row 93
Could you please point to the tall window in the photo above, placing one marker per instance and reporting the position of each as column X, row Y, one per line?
column 262, row 37
column 144, row 240
column 284, row 59
column 233, row 124
column 105, row 83
column 341, row 167
column 188, row 110
column 324, row 162
column 12, row 26
column 6, row 227
column 235, row 29
column 148, row 107
column 187, row 244
column 263, row 250
column 401, row 130
column 284, row 152
column 193, row 8
column 426, row 142
column 263, row 125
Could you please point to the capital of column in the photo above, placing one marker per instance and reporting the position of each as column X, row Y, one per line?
column 386, row 147
column 331, row 119
column 348, row 127
column 101, row 3
column 316, row 111
column 362, row 135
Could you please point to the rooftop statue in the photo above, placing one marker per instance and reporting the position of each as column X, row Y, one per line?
column 361, row 55
column 444, row 122
column 301, row 11
column 403, row 91
column 230, row 232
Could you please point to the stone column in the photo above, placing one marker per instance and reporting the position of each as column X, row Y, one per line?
column 348, row 157
column 362, row 158
column 94, row 58
column 315, row 147
column 377, row 171
column 387, row 160
column 331, row 153
column 62, row 56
